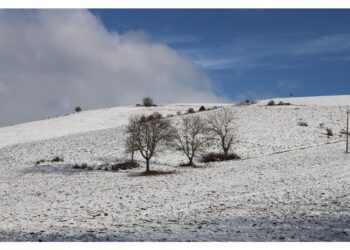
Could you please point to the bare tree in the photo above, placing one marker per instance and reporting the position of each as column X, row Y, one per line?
column 191, row 136
column 149, row 132
column 148, row 102
column 220, row 123
column 131, row 131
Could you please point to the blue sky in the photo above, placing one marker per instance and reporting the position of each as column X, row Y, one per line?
column 52, row 61
column 252, row 53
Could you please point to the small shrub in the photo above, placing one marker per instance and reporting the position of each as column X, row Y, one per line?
column 178, row 112
column 39, row 161
column 190, row 111
column 125, row 165
column 246, row 102
column 85, row 167
column 212, row 157
column 154, row 115
column 212, row 108
column 169, row 115
column 302, row 124
column 57, row 159
column 202, row 108
column 148, row 102
column 283, row 103
column 329, row 132
column 77, row 109
column 138, row 105
column 76, row 166
column 271, row 103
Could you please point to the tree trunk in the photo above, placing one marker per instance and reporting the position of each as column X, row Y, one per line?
column 225, row 153
column 132, row 156
column 224, row 148
column 147, row 165
column 191, row 161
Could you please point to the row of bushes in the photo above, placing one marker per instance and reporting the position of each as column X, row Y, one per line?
column 55, row 159
column 272, row 103
column 114, row 167
column 148, row 102
column 329, row 131
column 246, row 102
column 191, row 110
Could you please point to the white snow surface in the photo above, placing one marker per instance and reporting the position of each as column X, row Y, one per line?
column 336, row 100
column 82, row 122
column 292, row 183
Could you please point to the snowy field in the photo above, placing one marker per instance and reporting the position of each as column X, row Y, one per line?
column 336, row 100
column 292, row 183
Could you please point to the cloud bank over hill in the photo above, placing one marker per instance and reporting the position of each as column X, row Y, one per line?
column 54, row 60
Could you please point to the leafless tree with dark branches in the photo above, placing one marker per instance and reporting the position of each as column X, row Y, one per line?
column 131, row 131
column 191, row 136
column 221, row 123
column 149, row 132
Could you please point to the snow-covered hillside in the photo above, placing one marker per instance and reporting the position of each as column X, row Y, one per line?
column 336, row 100
column 292, row 182
column 80, row 122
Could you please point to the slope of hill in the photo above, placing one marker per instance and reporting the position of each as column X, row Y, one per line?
column 291, row 184
column 336, row 100
column 80, row 123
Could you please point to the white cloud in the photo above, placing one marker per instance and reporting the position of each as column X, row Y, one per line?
column 226, row 63
column 248, row 53
column 3, row 88
column 218, row 63
column 324, row 45
column 54, row 60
